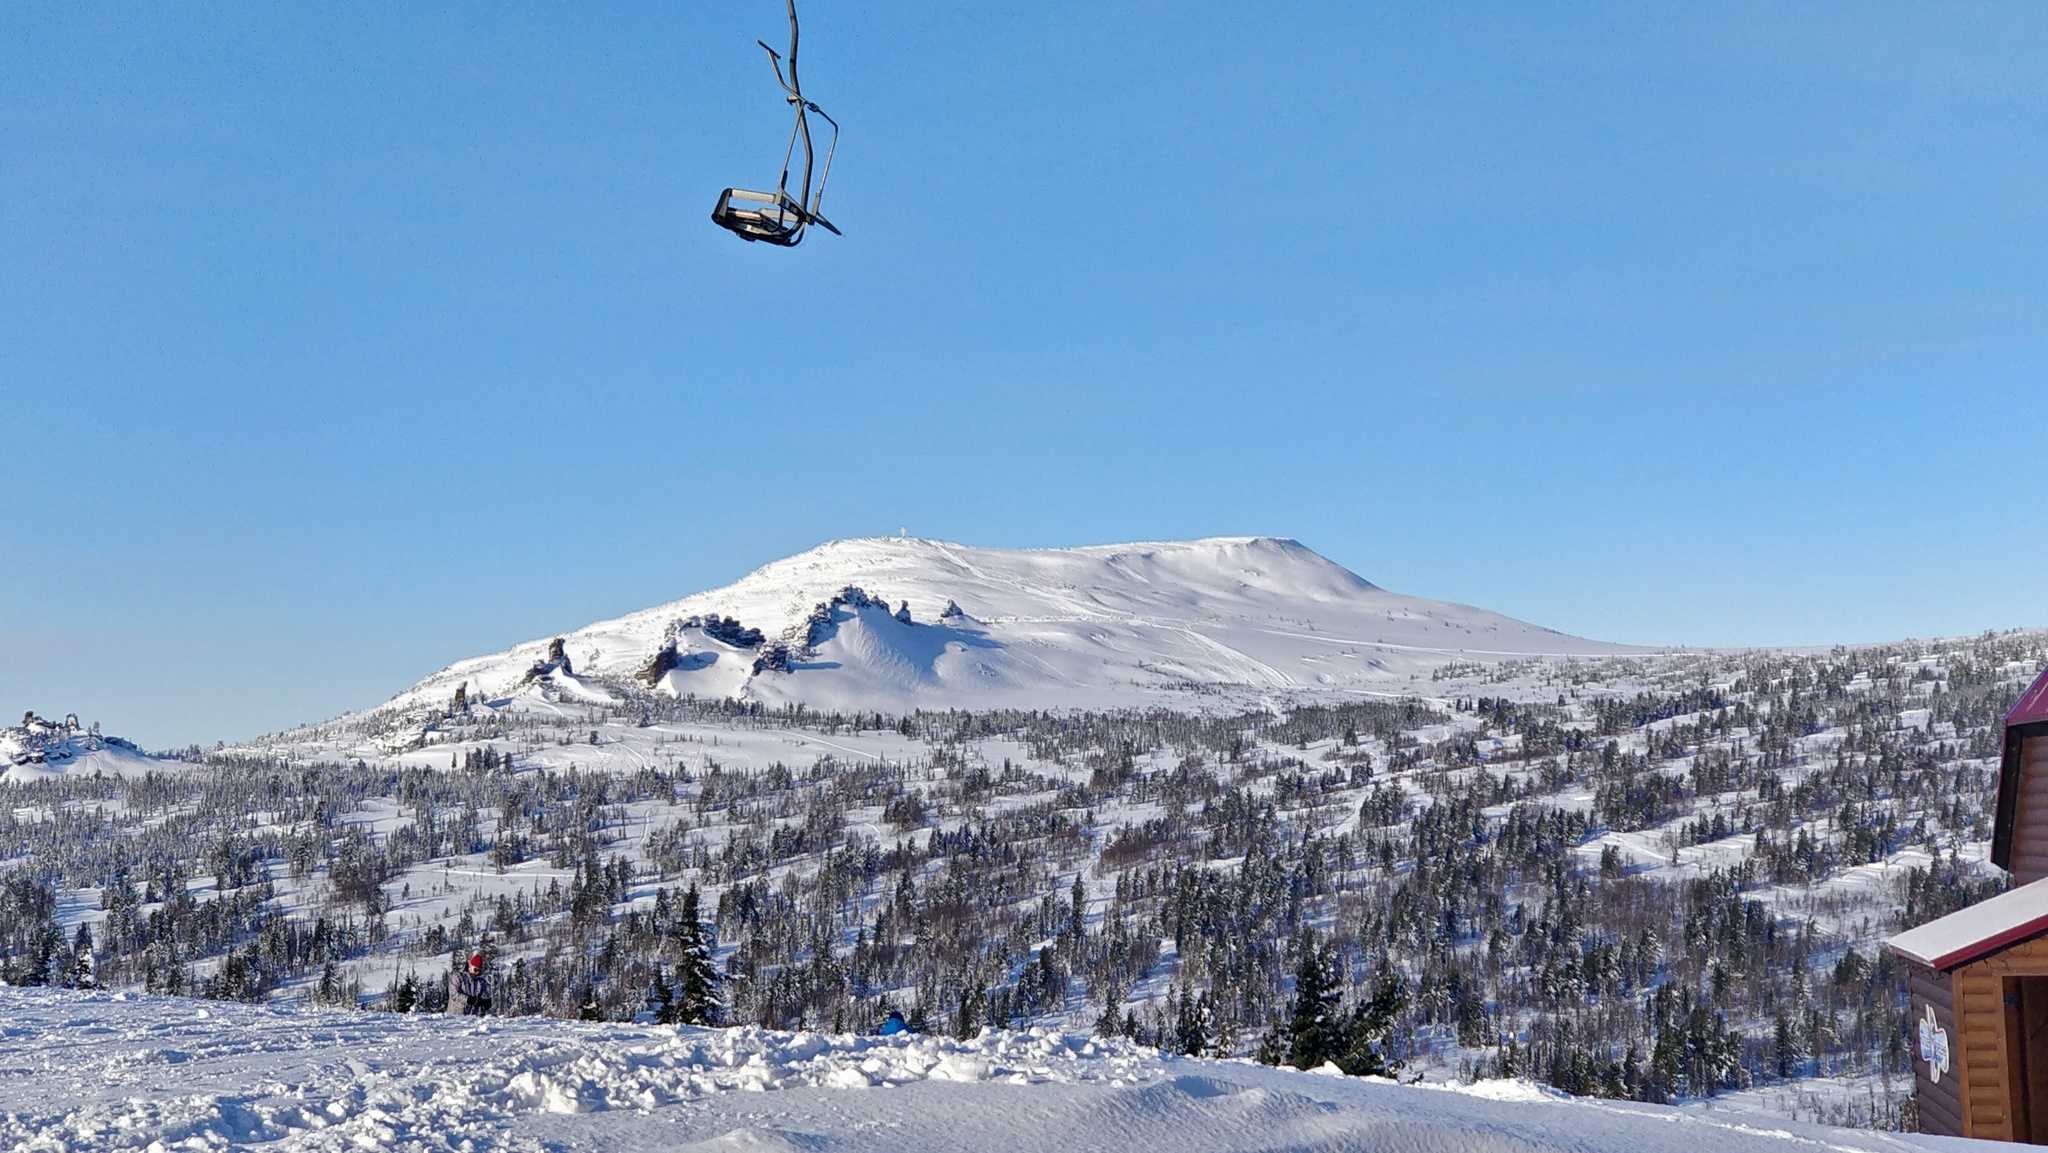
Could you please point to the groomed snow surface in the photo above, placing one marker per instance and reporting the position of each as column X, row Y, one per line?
column 96, row 1071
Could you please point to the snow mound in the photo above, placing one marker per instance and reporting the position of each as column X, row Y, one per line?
column 90, row 1072
column 1510, row 1089
column 696, row 1062
column 1207, row 623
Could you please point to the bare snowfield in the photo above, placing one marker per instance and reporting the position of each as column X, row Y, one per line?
column 95, row 1071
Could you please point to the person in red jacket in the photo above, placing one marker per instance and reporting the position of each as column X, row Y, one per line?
column 469, row 992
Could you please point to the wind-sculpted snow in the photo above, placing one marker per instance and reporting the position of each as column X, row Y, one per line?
column 81, row 1072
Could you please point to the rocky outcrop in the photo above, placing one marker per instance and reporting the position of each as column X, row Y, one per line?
column 815, row 628
column 664, row 659
column 39, row 742
column 775, row 658
column 558, row 661
column 671, row 655
column 729, row 630
column 801, row 639
column 724, row 630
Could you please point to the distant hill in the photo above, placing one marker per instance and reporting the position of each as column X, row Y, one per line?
column 38, row 748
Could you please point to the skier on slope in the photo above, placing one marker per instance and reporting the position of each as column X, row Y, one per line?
column 469, row 992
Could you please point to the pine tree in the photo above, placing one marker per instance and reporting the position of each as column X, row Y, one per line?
column 661, row 1001
column 85, row 968
column 1191, row 1023
column 1370, row 1031
column 1314, row 1033
column 697, row 979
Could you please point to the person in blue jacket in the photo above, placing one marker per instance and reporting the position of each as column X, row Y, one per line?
column 894, row 1024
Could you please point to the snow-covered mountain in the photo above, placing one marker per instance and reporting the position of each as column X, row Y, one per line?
column 892, row 624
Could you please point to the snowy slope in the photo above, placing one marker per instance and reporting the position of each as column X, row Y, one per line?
column 1228, row 618
column 98, row 1072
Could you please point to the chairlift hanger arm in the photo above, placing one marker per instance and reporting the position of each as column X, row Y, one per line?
column 775, row 62
column 824, row 174
column 792, row 85
column 796, row 88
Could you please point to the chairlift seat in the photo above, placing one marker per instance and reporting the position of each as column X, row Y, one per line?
column 780, row 220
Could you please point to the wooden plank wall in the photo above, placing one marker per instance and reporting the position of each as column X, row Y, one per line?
column 1978, row 1048
column 2030, row 1035
column 2029, row 958
column 1940, row 1102
column 2030, row 814
column 1992, row 1112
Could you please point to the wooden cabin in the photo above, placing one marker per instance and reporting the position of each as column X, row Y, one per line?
column 1980, row 975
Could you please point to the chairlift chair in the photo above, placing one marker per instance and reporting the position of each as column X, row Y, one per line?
column 778, row 217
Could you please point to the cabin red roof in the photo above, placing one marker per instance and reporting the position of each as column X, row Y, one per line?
column 2033, row 704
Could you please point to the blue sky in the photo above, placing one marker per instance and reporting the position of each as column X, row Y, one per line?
column 338, row 342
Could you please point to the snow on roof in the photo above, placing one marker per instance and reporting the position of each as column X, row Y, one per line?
column 1982, row 929
column 2033, row 704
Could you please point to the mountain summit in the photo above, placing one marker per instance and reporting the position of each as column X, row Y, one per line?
column 891, row 624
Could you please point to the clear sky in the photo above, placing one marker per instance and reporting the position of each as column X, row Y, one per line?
column 340, row 341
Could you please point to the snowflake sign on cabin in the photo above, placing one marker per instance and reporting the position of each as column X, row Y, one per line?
column 1933, row 1046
